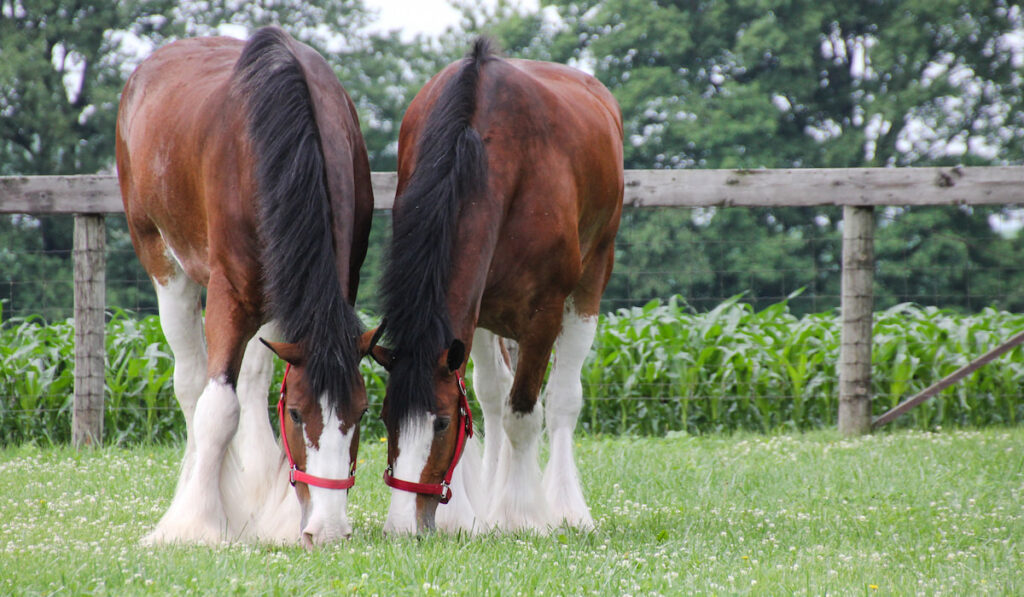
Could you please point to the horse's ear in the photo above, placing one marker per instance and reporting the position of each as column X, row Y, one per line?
column 368, row 346
column 289, row 353
column 456, row 354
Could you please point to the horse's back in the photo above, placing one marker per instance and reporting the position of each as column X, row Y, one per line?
column 574, row 141
column 539, row 120
column 185, row 155
column 577, row 107
column 554, row 139
column 182, row 73
column 169, row 97
column 554, row 178
column 171, row 124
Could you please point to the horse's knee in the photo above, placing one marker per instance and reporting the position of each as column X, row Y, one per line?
column 521, row 427
column 216, row 415
column 564, row 400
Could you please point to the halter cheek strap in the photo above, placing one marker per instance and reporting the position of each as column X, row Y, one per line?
column 442, row 489
column 294, row 474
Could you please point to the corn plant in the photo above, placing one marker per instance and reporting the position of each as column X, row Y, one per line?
column 36, row 381
column 664, row 367
column 655, row 369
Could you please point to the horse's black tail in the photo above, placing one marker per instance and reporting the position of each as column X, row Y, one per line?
column 451, row 165
column 300, row 272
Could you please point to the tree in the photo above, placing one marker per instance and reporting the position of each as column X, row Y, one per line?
column 946, row 256
column 750, row 83
column 60, row 77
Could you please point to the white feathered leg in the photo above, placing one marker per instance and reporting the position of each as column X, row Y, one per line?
column 564, row 399
column 196, row 514
column 181, row 320
column 492, row 381
column 517, row 502
column 259, row 502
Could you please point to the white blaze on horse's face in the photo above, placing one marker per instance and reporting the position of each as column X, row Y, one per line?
column 415, row 438
column 328, row 455
column 323, row 442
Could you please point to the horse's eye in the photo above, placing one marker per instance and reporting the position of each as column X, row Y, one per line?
column 296, row 417
column 441, row 424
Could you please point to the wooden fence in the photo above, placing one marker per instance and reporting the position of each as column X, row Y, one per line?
column 857, row 190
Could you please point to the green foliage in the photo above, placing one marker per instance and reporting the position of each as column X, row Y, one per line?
column 61, row 77
column 382, row 74
column 708, row 255
column 947, row 256
column 37, row 280
column 139, row 396
column 804, row 83
column 654, row 370
column 36, row 381
column 33, row 280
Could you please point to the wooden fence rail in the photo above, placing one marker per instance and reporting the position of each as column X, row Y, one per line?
column 858, row 190
column 795, row 187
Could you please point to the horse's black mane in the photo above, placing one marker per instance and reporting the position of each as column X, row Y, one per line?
column 300, row 272
column 450, row 165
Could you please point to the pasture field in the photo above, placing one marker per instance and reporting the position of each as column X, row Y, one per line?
column 904, row 512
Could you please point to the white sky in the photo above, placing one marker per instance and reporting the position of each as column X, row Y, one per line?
column 429, row 17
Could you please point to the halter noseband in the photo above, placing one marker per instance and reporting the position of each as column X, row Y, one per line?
column 295, row 475
column 442, row 489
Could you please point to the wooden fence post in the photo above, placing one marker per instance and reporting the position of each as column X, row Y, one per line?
column 857, row 302
column 90, row 350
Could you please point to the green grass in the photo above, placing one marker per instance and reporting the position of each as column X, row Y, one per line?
column 907, row 512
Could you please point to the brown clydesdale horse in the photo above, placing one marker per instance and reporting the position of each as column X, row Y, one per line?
column 242, row 169
column 509, row 196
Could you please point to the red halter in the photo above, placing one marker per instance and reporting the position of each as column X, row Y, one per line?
column 295, row 475
column 442, row 489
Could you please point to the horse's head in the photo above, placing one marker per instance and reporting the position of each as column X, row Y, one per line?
column 321, row 440
column 425, row 437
